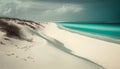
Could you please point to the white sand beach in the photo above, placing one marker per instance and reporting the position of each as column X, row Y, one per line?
column 42, row 54
column 102, row 52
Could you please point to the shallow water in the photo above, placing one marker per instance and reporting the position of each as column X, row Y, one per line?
column 111, row 30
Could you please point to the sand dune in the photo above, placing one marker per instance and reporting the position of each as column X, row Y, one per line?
column 46, row 46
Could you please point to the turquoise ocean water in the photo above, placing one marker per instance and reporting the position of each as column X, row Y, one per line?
column 111, row 30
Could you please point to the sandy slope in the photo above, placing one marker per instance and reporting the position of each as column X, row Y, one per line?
column 49, row 47
column 104, row 53
column 34, row 48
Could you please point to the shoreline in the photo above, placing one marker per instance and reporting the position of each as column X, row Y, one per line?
column 108, row 39
column 99, row 51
